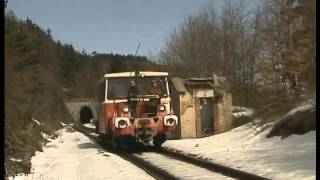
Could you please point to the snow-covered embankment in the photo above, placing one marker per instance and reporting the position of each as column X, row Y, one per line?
column 74, row 156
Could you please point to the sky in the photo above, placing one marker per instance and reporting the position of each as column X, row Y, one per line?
column 110, row 26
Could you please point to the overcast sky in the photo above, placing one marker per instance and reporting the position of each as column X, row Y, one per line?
column 109, row 26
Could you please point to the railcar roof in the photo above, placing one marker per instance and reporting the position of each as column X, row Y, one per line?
column 132, row 74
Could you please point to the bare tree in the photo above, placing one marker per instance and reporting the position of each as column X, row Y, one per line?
column 225, row 44
column 288, row 35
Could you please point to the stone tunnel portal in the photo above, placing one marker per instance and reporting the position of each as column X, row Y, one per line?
column 85, row 115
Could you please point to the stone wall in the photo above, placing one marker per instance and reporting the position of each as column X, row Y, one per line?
column 188, row 116
column 74, row 108
column 223, row 113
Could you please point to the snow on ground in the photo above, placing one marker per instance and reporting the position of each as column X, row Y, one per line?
column 63, row 124
column 46, row 136
column 291, row 158
column 74, row 156
column 89, row 125
column 241, row 111
column 94, row 134
column 303, row 107
column 36, row 121
column 16, row 160
column 244, row 113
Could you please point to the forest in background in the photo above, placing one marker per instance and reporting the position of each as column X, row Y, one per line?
column 40, row 74
column 267, row 55
column 266, row 52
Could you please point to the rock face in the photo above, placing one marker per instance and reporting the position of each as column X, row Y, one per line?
column 299, row 122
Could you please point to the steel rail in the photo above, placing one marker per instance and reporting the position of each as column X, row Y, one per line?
column 215, row 167
column 152, row 170
column 159, row 173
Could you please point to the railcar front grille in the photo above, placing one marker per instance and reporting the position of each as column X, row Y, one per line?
column 144, row 122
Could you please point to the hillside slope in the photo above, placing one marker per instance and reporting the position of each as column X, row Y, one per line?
column 260, row 150
column 33, row 96
column 40, row 74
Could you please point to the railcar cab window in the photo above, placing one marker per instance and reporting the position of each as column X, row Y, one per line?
column 118, row 87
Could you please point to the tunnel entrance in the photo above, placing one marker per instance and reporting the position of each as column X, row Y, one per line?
column 85, row 115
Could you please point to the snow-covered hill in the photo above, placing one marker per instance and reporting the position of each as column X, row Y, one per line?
column 74, row 156
column 247, row 148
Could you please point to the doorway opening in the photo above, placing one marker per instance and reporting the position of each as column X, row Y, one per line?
column 206, row 112
column 85, row 115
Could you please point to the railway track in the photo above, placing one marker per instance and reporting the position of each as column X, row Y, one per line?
column 148, row 167
column 165, row 163
column 214, row 167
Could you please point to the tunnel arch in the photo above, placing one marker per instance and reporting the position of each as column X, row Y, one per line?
column 85, row 114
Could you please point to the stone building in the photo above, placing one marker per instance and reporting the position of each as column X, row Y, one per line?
column 203, row 105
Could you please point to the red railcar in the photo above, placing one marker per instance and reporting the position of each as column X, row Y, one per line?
column 141, row 123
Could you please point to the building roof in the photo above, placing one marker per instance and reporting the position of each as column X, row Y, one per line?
column 178, row 84
column 201, row 79
column 182, row 85
column 132, row 74
column 199, row 85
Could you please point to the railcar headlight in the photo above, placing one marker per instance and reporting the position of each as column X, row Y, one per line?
column 170, row 120
column 162, row 108
column 122, row 122
column 125, row 110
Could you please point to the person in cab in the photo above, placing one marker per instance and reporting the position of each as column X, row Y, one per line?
column 155, row 89
column 133, row 91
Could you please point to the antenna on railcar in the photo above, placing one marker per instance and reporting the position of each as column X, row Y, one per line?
column 137, row 48
column 137, row 73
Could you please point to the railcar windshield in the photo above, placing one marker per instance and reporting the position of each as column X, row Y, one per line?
column 118, row 87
